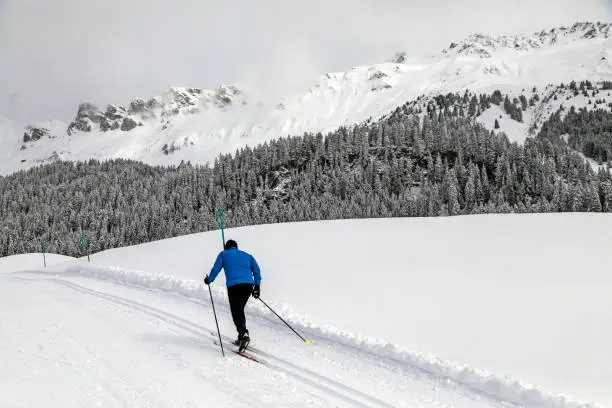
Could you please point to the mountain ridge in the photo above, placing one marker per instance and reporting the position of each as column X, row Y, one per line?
column 481, row 44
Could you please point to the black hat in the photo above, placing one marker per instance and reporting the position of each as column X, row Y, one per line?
column 231, row 244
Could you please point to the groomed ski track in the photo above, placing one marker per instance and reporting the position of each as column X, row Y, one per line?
column 116, row 337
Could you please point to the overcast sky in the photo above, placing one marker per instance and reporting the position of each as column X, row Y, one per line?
column 55, row 54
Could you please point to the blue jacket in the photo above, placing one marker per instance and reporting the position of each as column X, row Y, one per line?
column 239, row 266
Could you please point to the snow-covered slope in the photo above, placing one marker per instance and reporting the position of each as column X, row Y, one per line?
column 27, row 261
column 73, row 341
column 196, row 125
column 534, row 304
column 551, row 99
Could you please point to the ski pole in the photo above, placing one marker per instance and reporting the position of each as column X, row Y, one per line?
column 298, row 334
column 216, row 322
column 210, row 291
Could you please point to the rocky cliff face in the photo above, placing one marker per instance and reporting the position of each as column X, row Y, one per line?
column 89, row 117
column 176, row 101
column 34, row 133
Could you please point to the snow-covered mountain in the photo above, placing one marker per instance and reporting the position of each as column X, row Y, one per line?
column 196, row 125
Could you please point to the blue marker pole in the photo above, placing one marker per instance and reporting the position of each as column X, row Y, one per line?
column 85, row 245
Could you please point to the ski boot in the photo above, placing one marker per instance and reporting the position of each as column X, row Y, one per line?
column 243, row 341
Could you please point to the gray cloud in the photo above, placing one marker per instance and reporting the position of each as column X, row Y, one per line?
column 55, row 54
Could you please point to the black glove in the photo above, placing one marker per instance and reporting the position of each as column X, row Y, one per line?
column 206, row 281
column 256, row 292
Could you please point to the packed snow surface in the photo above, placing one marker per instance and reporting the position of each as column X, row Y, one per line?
column 488, row 311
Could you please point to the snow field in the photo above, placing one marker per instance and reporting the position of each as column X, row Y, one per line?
column 515, row 309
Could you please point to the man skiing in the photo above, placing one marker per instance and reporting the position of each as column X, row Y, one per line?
column 243, row 278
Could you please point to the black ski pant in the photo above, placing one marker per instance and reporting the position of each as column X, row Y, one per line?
column 238, row 297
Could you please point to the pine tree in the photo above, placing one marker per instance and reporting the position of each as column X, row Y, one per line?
column 593, row 202
column 607, row 194
column 452, row 192
column 470, row 193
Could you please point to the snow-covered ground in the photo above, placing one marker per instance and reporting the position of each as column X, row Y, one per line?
column 516, row 131
column 480, row 64
column 460, row 311
column 28, row 261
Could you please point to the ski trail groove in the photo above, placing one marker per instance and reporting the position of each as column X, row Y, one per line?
column 117, row 386
column 452, row 383
column 314, row 380
column 445, row 382
column 304, row 373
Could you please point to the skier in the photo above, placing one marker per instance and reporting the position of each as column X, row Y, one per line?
column 243, row 278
